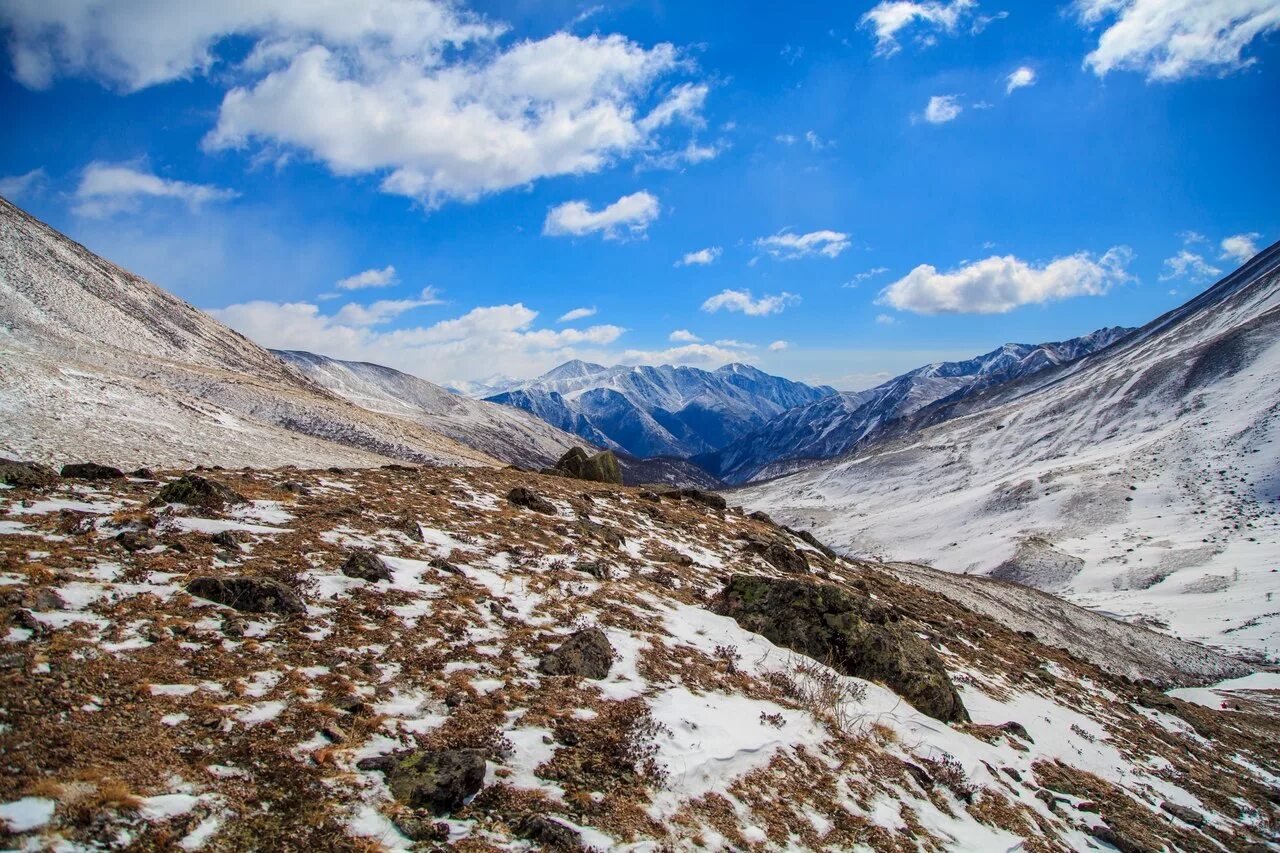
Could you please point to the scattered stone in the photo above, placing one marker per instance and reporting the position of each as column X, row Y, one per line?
column 334, row 733
column 601, row 468
column 249, row 594
column 761, row 515
column 521, row 496
column 91, row 471
column 848, row 632
column 350, row 703
column 647, row 495
column 233, row 627
column 294, row 486
column 1109, row 835
column 603, row 532
column 417, row 827
column 366, row 565
column 1187, row 815
column 806, row 536
column 194, row 490
column 1015, row 728
column 596, row 569
column 409, row 527
column 143, row 474
column 709, row 499
column 587, row 653
column 23, row 618
column 552, row 834
column 28, row 475
column 441, row 564
column 136, row 540
column 230, row 539
column 439, row 781
column 47, row 599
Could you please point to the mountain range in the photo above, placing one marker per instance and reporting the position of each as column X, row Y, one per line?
column 658, row 411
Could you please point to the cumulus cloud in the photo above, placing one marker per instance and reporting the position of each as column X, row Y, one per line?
column 576, row 314
column 890, row 18
column 1190, row 266
column 1174, row 39
column 109, row 188
column 698, row 355
column 485, row 340
column 426, row 96
column 1240, row 247
column 384, row 277
column 683, row 336
column 779, row 346
column 999, row 284
column 742, row 301
column 788, row 246
column 700, row 258
column 16, row 187
column 629, row 215
column 1020, row 78
column 942, row 109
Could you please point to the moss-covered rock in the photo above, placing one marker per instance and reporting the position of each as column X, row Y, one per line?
column 194, row 490
column 847, row 631
column 26, row 475
column 251, row 595
column 603, row 467
column 587, row 653
column 91, row 471
column 439, row 781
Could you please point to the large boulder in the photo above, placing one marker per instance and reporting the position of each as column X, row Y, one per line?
column 587, row 653
column 779, row 555
column 27, row 475
column 91, row 471
column 847, row 631
column 529, row 499
column 577, row 463
column 439, row 781
column 366, row 565
column 248, row 594
column 194, row 490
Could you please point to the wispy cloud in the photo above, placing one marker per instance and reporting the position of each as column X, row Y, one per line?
column 741, row 301
column 109, row 188
column 1020, row 79
column 576, row 314
column 384, row 277
column 789, row 246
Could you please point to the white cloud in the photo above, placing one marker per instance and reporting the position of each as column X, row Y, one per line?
column 382, row 311
column 631, row 212
column 786, row 138
column 384, row 277
column 700, row 355
column 1189, row 265
column 1022, row 77
column 732, row 344
column 498, row 338
column 890, row 18
column 1174, row 39
column 886, row 320
column 788, row 246
column 942, row 109
column 742, row 301
column 684, row 336
column 701, row 258
column 109, row 188
column 1240, row 247
column 999, row 284
column 863, row 276
column 576, row 314
column 15, row 187
column 816, row 142
column 779, row 346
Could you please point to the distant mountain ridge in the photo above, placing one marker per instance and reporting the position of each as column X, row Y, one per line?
column 834, row 425
column 658, row 410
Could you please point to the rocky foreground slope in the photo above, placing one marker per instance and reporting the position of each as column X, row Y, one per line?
column 395, row 658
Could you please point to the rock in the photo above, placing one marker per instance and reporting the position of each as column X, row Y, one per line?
column 922, row 777
column 294, row 486
column 143, row 474
column 194, row 490
column 848, row 632
column 1119, row 841
column 349, row 702
column 91, row 471
column 233, row 627
column 24, row 619
column 596, row 569
column 1015, row 728
column 806, row 536
column 334, row 732
column 137, row 540
column 520, row 496
column 439, row 781
column 1188, row 816
column 603, row 532
column 366, row 565
column 409, row 527
column 709, row 499
column 600, row 468
column 761, row 515
column 417, row 827
column 647, row 495
column 780, row 556
column 26, row 475
column 587, row 653
column 249, row 594
column 552, row 834
column 231, row 539
column 47, row 599
column 441, row 564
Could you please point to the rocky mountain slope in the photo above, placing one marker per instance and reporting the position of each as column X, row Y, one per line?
column 95, row 360
column 395, row 658
column 1142, row 481
column 834, row 425
column 658, row 411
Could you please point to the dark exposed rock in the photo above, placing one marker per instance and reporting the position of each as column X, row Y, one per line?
column 761, row 515
column 603, row 532
column 249, row 594
column 587, row 653
column 294, row 486
column 27, row 475
column 595, row 568
column 137, row 540
column 23, row 618
column 1015, row 728
column 521, row 496
column 847, row 631
column 409, row 527
column 577, row 463
column 439, row 781
column 233, row 627
column 366, row 565
column 709, row 499
column 551, row 834
column 1119, row 840
column 444, row 565
column 779, row 556
column 143, row 474
column 647, row 495
column 194, row 490
column 47, row 599
column 1187, row 815
column 418, row 826
column 806, row 536
column 232, row 539
column 91, row 471
column 922, row 777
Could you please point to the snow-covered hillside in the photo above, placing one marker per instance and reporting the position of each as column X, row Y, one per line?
column 1142, row 481
column 658, row 411
column 99, row 363
column 832, row 426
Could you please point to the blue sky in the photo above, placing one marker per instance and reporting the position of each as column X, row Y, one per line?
column 859, row 187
